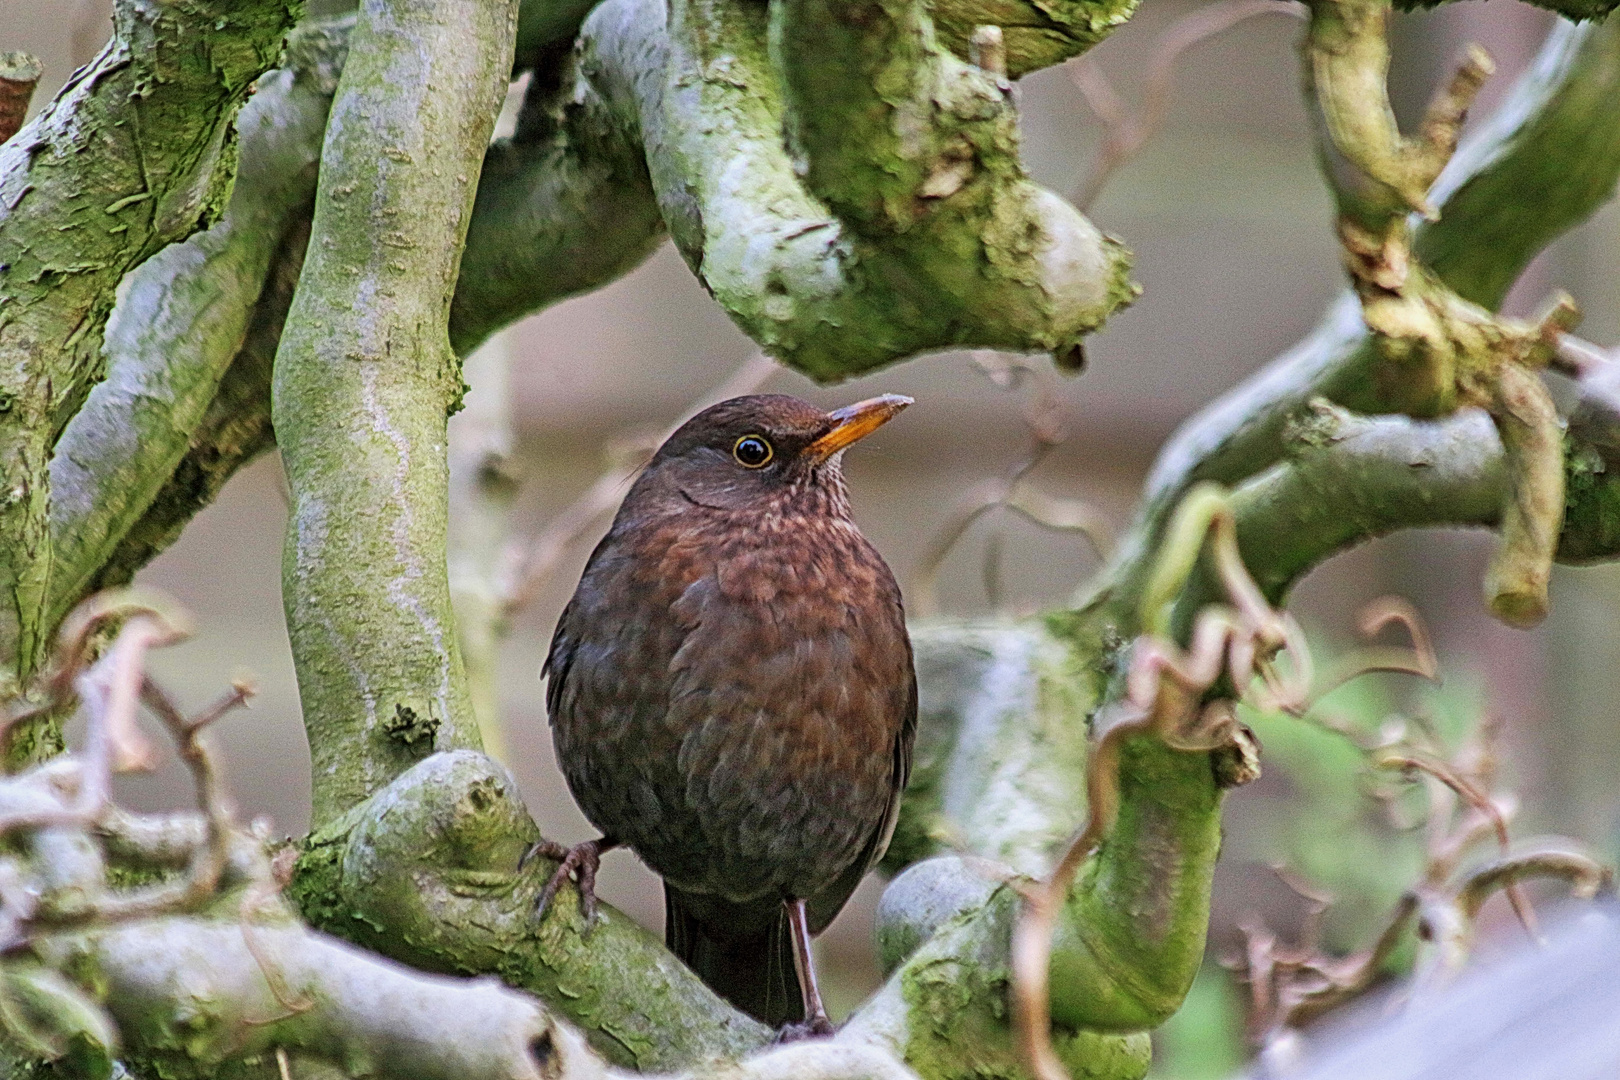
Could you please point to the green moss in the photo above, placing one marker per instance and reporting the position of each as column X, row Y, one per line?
column 1592, row 507
column 1036, row 34
column 957, row 1016
column 143, row 158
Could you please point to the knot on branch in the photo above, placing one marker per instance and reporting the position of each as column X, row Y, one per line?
column 1382, row 173
column 1436, row 351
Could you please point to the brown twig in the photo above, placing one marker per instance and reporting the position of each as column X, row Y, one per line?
column 1290, row 987
column 1043, row 413
column 1164, row 696
column 1475, row 798
column 535, row 561
column 1418, row 659
column 111, row 691
column 1125, row 133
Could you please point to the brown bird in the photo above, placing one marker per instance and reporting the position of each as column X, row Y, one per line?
column 732, row 695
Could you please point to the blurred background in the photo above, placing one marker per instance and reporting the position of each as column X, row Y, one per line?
column 1232, row 234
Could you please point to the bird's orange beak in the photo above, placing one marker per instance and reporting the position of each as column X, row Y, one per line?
column 856, row 421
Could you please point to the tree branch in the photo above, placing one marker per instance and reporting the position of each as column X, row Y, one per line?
column 1501, row 201
column 814, row 291
column 1035, row 34
column 135, row 153
column 563, row 207
column 233, row 431
column 181, row 320
column 426, row 872
column 364, row 380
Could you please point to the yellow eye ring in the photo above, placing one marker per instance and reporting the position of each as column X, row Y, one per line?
column 752, row 451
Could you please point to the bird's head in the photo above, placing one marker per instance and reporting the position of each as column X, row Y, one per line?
column 762, row 450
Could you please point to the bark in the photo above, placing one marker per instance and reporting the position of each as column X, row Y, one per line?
column 135, row 153
column 828, row 247
column 565, row 205
column 181, row 322
column 1500, row 204
column 364, row 381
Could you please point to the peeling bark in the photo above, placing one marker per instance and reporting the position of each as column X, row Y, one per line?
column 135, row 153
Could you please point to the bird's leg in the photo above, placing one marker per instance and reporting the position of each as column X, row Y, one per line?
column 816, row 1021
column 580, row 862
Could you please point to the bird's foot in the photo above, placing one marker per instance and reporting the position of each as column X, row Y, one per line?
column 579, row 862
column 815, row 1027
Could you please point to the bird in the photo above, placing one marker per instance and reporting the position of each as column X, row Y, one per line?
column 732, row 695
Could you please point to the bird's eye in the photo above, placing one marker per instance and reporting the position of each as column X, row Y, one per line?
column 752, row 452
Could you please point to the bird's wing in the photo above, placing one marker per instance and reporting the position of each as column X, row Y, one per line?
column 825, row 905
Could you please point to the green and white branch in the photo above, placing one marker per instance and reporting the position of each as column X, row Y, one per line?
column 364, row 381
column 181, row 320
column 137, row 152
column 1501, row 202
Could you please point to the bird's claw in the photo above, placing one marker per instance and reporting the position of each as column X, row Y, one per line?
column 816, row 1026
column 579, row 862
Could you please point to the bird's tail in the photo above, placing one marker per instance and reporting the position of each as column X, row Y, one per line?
column 753, row 969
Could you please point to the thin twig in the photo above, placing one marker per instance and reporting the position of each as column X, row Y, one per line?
column 1418, row 659
column 1579, row 358
column 1044, row 418
column 538, row 559
column 1164, row 695
column 1443, row 772
column 1124, row 133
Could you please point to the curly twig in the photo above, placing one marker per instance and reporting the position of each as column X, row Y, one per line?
column 1164, row 696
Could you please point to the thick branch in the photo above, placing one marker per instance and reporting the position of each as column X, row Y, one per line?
column 333, row 1003
column 563, row 207
column 426, row 872
column 364, row 380
column 1001, row 776
column 233, row 432
column 816, row 293
column 1351, row 478
column 134, row 153
column 1502, row 199
column 182, row 319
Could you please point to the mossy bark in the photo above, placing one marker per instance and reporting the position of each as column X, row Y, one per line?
column 1500, row 204
column 137, row 152
column 364, row 382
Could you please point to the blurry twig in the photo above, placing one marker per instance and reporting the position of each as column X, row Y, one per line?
column 1165, row 696
column 1418, row 659
column 1289, row 986
column 1124, row 132
column 534, row 561
column 1043, row 416
column 75, row 790
column 1579, row 358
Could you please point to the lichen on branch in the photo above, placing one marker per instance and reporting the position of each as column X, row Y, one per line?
column 181, row 320
column 987, row 258
column 1500, row 200
column 136, row 152
column 364, row 381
